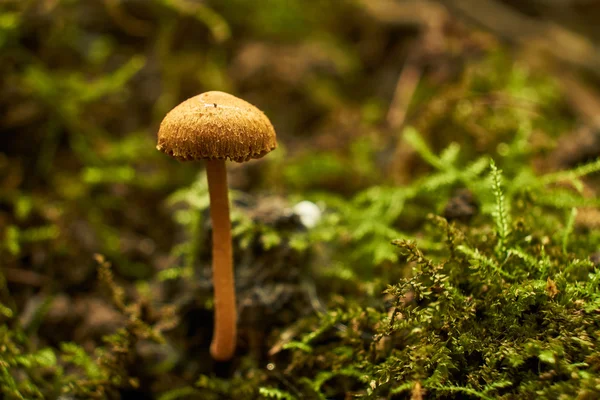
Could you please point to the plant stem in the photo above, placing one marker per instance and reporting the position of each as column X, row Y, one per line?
column 224, row 334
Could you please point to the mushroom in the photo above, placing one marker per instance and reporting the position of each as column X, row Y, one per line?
column 216, row 126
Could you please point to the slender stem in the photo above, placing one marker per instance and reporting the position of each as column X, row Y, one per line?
column 224, row 334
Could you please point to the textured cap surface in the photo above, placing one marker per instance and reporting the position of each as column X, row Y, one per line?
column 216, row 125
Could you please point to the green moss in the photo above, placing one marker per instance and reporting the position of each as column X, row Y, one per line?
column 500, row 313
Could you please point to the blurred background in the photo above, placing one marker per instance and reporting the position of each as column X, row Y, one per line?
column 84, row 85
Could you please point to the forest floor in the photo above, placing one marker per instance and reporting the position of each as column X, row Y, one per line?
column 456, row 249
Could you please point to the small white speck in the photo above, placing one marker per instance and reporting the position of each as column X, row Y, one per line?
column 309, row 213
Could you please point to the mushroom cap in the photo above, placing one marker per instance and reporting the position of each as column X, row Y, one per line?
column 216, row 125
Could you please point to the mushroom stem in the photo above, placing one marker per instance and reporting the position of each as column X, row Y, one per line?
column 224, row 334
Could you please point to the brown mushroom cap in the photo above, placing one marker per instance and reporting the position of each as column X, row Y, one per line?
column 216, row 125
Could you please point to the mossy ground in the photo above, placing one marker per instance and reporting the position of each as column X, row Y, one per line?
column 457, row 254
